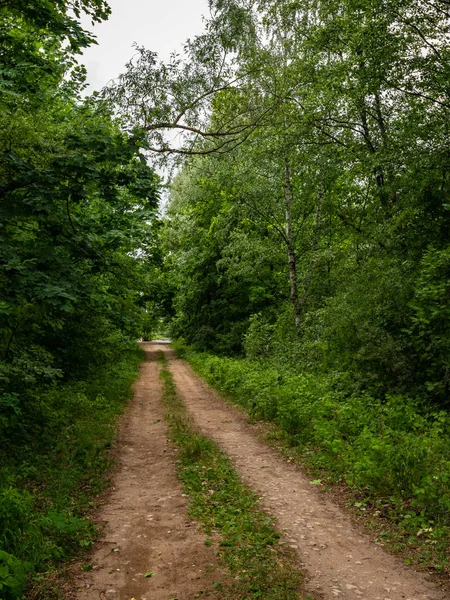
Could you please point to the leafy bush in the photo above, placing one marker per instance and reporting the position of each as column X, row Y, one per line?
column 10, row 411
column 431, row 323
column 12, row 576
column 361, row 329
column 258, row 339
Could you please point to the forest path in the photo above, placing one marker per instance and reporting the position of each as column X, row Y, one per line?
column 146, row 527
column 340, row 561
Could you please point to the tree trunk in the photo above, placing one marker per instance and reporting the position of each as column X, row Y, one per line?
column 292, row 259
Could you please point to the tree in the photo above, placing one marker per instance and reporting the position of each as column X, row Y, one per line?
column 77, row 202
column 326, row 123
column 39, row 41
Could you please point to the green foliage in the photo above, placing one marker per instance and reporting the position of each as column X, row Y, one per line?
column 77, row 227
column 431, row 320
column 211, row 304
column 258, row 339
column 394, row 453
column 50, row 479
column 39, row 40
column 361, row 329
column 12, row 576
column 321, row 183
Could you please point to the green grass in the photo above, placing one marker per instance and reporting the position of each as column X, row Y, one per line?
column 390, row 457
column 248, row 544
column 53, row 465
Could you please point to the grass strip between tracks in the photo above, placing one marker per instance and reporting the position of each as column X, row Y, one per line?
column 248, row 545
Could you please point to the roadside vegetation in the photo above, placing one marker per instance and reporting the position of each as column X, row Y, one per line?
column 392, row 455
column 52, row 471
column 229, row 512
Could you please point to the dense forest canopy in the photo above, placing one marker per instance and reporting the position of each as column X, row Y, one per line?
column 310, row 219
column 78, row 200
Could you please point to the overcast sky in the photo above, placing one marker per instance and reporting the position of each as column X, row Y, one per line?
column 159, row 25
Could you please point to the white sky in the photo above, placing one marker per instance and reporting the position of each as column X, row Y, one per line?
column 160, row 25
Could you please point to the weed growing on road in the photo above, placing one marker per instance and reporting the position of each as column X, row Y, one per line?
column 248, row 539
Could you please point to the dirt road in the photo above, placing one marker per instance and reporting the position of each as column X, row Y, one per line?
column 146, row 528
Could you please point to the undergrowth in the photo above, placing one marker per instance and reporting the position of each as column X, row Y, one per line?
column 392, row 454
column 248, row 545
column 52, row 466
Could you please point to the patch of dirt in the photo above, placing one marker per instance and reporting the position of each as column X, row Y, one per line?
column 340, row 561
column 146, row 527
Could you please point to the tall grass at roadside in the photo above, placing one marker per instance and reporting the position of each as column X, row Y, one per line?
column 393, row 454
column 248, row 539
column 51, row 470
